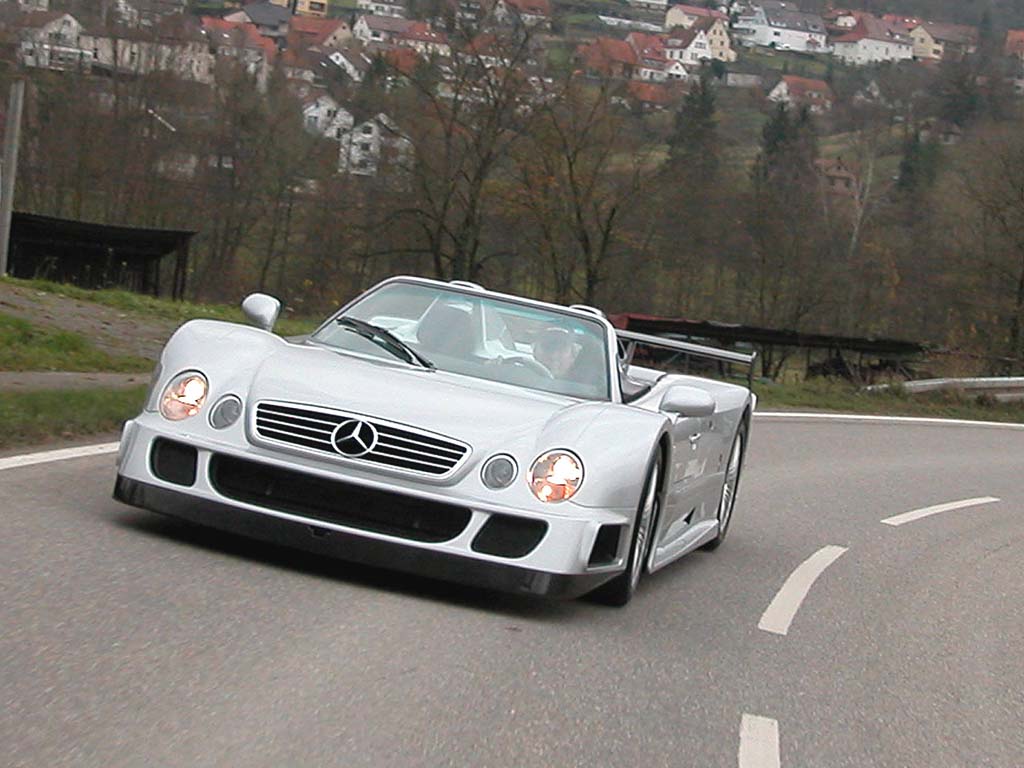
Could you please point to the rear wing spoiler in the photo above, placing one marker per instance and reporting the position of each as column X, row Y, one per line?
column 631, row 340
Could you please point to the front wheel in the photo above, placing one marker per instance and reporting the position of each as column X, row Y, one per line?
column 730, row 484
column 619, row 591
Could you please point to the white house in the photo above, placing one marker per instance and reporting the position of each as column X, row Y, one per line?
column 382, row 7
column 649, row 5
column 367, row 148
column 815, row 95
column 175, row 46
column 872, row 41
column 31, row 5
column 530, row 13
column 379, row 29
column 353, row 63
column 52, row 40
column 782, row 25
column 689, row 46
column 323, row 116
column 686, row 16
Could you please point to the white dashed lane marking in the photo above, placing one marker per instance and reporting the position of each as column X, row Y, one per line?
column 759, row 742
column 782, row 609
column 917, row 514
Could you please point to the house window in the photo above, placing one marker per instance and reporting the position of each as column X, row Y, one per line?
column 367, row 130
column 365, row 146
column 317, row 6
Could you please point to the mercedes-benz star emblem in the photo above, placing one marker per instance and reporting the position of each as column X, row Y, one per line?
column 354, row 438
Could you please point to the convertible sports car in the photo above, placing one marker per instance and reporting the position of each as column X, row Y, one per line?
column 446, row 430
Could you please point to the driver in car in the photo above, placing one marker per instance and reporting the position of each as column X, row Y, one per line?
column 556, row 351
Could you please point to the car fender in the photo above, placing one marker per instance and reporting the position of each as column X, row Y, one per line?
column 227, row 354
column 616, row 450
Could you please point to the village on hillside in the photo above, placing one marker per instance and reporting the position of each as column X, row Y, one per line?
column 805, row 167
column 651, row 50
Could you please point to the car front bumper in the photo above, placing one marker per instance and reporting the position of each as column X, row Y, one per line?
column 559, row 566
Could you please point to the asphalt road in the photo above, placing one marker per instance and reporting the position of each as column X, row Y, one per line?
column 127, row 639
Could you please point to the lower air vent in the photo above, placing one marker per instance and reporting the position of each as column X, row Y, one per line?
column 508, row 536
column 173, row 462
column 337, row 502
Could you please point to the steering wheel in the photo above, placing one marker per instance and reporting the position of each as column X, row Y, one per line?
column 526, row 364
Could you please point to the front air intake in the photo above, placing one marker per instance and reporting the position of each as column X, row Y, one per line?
column 337, row 502
column 508, row 536
column 173, row 462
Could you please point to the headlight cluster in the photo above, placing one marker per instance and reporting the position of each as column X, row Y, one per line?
column 184, row 396
column 556, row 476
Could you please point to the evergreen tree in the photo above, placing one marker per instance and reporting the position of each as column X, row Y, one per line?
column 918, row 166
column 694, row 140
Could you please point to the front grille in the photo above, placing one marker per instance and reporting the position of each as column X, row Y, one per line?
column 396, row 446
column 338, row 502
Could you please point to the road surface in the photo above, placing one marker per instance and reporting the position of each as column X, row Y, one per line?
column 816, row 636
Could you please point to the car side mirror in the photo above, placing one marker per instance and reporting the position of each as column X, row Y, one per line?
column 688, row 401
column 261, row 310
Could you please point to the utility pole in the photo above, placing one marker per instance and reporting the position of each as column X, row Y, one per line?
column 12, row 139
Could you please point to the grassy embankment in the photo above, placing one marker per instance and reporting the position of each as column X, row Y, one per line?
column 162, row 309
column 37, row 416
column 841, row 397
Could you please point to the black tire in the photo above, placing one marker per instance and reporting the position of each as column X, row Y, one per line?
column 739, row 442
column 620, row 590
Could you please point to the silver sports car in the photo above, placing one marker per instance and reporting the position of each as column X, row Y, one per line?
column 446, row 430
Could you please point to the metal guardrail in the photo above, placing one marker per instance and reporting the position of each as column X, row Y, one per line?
column 632, row 340
column 1002, row 388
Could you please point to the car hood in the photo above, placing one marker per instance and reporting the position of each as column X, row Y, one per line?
column 478, row 412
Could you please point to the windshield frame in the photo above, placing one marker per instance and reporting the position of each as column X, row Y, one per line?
column 611, row 343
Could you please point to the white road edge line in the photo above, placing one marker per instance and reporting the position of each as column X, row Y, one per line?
column 759, row 742
column 43, row 457
column 780, row 612
column 799, row 416
column 917, row 514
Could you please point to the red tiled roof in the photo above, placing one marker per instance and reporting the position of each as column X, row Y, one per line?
column 907, row 22
column 1014, row 42
column 649, row 93
column 391, row 24
column 681, row 37
column 420, row 31
column 36, row 19
column 607, row 56
column 959, row 34
column 807, row 89
column 313, row 31
column 872, row 28
column 402, row 60
column 247, row 34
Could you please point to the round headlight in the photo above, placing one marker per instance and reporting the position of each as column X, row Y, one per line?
column 225, row 412
column 499, row 472
column 556, row 476
column 184, row 396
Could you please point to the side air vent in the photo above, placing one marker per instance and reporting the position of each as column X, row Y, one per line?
column 606, row 546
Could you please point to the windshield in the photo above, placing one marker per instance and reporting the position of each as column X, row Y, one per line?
column 483, row 337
